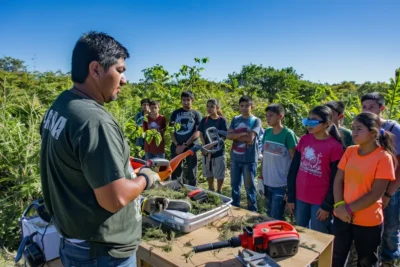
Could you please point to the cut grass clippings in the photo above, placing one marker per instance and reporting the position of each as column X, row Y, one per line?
column 212, row 202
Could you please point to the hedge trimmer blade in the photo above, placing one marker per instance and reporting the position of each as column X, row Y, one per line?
column 216, row 143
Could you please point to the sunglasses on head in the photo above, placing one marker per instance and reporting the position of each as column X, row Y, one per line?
column 311, row 122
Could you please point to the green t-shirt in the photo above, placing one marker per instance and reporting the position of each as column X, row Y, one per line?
column 347, row 138
column 83, row 148
column 276, row 157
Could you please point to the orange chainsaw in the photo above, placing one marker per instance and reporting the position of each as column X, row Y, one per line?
column 165, row 168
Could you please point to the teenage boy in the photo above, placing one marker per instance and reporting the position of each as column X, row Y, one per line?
column 139, row 118
column 337, row 108
column 159, row 123
column 244, row 153
column 375, row 103
column 184, row 139
column 279, row 144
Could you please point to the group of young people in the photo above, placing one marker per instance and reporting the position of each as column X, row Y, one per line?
column 332, row 179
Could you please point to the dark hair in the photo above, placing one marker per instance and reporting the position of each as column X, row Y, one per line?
column 337, row 106
column 145, row 101
column 95, row 46
column 214, row 101
column 154, row 103
column 246, row 98
column 325, row 114
column 276, row 108
column 187, row 94
column 379, row 98
column 385, row 138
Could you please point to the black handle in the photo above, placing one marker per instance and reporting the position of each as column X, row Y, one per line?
column 234, row 242
column 212, row 246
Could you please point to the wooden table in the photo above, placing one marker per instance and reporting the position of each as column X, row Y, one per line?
column 312, row 245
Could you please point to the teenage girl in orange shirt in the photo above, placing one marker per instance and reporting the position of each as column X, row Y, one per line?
column 364, row 172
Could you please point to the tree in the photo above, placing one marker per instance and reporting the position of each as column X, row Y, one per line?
column 256, row 80
column 10, row 64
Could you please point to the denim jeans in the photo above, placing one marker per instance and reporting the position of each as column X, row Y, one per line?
column 307, row 213
column 274, row 202
column 247, row 172
column 391, row 230
column 149, row 155
column 77, row 255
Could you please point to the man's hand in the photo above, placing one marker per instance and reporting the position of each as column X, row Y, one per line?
column 290, row 207
column 385, row 201
column 342, row 214
column 322, row 214
column 152, row 205
column 151, row 177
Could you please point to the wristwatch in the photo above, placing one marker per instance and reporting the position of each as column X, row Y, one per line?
column 386, row 194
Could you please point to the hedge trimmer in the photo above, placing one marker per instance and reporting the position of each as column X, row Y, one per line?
column 165, row 167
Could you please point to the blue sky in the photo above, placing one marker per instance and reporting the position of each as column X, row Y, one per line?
column 327, row 41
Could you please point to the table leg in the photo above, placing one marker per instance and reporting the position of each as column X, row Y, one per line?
column 325, row 259
column 142, row 263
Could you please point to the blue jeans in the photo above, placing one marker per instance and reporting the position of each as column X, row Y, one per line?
column 248, row 172
column 77, row 255
column 149, row 155
column 306, row 213
column 391, row 229
column 274, row 202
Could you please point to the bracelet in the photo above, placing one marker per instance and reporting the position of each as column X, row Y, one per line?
column 349, row 210
column 337, row 204
column 146, row 178
column 386, row 194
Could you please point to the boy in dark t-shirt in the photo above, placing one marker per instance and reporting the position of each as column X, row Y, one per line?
column 184, row 139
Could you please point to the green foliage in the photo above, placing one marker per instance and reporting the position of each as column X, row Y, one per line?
column 20, row 117
column 393, row 97
column 25, row 96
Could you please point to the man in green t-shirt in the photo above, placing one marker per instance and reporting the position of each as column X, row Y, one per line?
column 279, row 144
column 88, row 184
column 337, row 108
